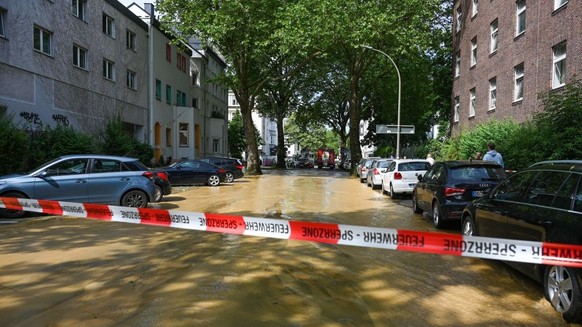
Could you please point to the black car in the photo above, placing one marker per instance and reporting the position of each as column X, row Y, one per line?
column 447, row 186
column 542, row 203
column 233, row 166
column 162, row 184
column 192, row 172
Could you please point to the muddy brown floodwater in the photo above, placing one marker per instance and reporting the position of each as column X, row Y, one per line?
column 63, row 271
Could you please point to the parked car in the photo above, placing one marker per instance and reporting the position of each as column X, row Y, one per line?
column 83, row 179
column 447, row 186
column 402, row 175
column 542, row 203
column 377, row 171
column 365, row 166
column 234, row 167
column 192, row 172
column 303, row 163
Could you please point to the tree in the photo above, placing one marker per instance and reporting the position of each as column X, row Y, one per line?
column 236, row 136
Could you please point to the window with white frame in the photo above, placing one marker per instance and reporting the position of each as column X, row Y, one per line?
column 108, row 25
column 459, row 19
column 183, row 131
column 472, row 98
column 456, row 109
column 42, row 40
column 108, row 71
column 474, row 51
column 475, row 8
column 79, row 57
column 493, row 93
column 520, row 17
column 131, row 80
column 78, row 7
column 2, row 13
column 494, row 33
column 559, row 3
column 458, row 64
column 130, row 40
column 518, row 88
column 559, row 71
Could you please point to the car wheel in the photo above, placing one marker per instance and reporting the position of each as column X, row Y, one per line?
column 392, row 194
column 562, row 289
column 135, row 199
column 415, row 207
column 469, row 228
column 229, row 177
column 158, row 193
column 9, row 213
column 213, row 180
column 437, row 219
column 362, row 180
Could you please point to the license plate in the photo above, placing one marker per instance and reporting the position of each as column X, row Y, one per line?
column 412, row 184
column 477, row 194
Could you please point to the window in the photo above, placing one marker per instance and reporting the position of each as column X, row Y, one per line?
column 168, row 52
column 2, row 32
column 42, row 40
column 131, row 80
column 493, row 93
column 472, row 97
column 459, row 19
column 195, row 103
column 158, row 89
column 108, row 71
column 215, row 145
column 559, row 72
column 475, row 8
column 78, row 7
column 518, row 89
column 183, row 134
column 545, row 187
column 168, row 94
column 457, row 67
column 456, row 110
column 559, row 3
column 494, row 32
column 473, row 51
column 181, row 62
column 168, row 137
column 108, row 26
column 130, row 40
column 79, row 57
column 512, row 189
column 520, row 17
column 194, row 78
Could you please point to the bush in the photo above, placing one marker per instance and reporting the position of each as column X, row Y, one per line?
column 14, row 144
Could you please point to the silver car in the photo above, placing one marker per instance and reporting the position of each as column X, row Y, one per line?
column 377, row 171
column 364, row 167
column 83, row 179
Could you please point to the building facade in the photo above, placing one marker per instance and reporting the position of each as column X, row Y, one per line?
column 507, row 52
column 75, row 63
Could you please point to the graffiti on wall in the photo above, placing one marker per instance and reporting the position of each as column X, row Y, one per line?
column 31, row 117
column 62, row 119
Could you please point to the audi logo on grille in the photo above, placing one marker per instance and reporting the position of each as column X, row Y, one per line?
column 485, row 185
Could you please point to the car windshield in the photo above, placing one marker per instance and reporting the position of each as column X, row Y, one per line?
column 414, row 166
column 477, row 173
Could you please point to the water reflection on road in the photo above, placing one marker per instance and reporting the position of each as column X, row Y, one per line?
column 72, row 272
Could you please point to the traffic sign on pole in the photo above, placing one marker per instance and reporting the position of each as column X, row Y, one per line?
column 393, row 129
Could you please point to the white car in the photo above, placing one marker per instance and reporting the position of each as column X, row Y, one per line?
column 401, row 176
column 376, row 172
column 365, row 166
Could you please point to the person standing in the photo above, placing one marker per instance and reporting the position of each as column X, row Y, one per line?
column 493, row 155
column 430, row 159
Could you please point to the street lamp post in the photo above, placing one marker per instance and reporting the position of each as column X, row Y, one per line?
column 399, row 93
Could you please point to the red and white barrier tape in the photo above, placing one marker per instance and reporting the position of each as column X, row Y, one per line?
column 384, row 238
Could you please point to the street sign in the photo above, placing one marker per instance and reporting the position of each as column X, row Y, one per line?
column 393, row 129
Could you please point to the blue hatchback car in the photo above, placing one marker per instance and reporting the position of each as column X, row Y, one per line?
column 84, row 179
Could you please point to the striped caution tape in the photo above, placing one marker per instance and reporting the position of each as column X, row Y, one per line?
column 374, row 237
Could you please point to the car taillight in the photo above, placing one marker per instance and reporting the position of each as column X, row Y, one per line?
column 239, row 167
column 397, row 175
column 162, row 175
column 149, row 175
column 453, row 191
column 221, row 171
column 376, row 171
column 363, row 169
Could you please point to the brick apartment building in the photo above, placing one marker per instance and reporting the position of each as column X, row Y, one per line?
column 507, row 52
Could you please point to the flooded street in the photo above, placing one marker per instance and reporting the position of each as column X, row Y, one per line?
column 62, row 271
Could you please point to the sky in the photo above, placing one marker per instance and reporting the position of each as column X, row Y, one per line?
column 139, row 2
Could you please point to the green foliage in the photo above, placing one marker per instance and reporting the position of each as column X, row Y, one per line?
column 14, row 144
column 236, row 136
column 115, row 140
column 143, row 151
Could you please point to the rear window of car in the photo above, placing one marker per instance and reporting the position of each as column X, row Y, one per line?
column 133, row 166
column 413, row 166
column 476, row 174
column 383, row 164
